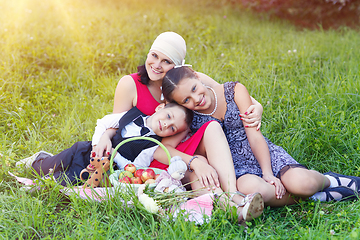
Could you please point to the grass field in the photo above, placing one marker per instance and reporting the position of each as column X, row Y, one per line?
column 60, row 61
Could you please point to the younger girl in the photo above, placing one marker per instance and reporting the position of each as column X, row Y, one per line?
column 260, row 165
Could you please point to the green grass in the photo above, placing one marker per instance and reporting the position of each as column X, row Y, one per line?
column 60, row 61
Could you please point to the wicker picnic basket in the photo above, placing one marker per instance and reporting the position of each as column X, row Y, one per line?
column 114, row 174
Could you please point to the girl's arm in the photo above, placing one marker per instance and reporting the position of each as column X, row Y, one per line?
column 257, row 142
column 206, row 174
column 252, row 115
column 125, row 95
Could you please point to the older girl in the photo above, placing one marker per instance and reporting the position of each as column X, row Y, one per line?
column 260, row 165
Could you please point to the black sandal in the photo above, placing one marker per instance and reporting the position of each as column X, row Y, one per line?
column 353, row 179
column 345, row 192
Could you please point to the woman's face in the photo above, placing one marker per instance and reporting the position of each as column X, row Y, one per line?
column 157, row 65
column 192, row 94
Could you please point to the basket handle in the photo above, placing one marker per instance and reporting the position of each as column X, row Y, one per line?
column 132, row 139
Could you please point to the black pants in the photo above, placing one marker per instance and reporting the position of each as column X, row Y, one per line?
column 66, row 165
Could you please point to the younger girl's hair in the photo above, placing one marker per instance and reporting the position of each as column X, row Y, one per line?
column 172, row 79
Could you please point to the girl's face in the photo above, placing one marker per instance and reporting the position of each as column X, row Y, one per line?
column 192, row 94
column 157, row 65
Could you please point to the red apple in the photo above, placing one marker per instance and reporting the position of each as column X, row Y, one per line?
column 130, row 167
column 136, row 180
column 139, row 172
column 148, row 174
column 156, row 176
column 150, row 181
column 125, row 179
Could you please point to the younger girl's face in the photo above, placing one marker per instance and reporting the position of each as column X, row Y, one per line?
column 192, row 94
column 157, row 65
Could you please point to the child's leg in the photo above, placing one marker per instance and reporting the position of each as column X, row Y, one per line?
column 249, row 183
column 310, row 183
column 304, row 182
column 69, row 162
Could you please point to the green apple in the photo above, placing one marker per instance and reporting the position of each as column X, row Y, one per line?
column 125, row 173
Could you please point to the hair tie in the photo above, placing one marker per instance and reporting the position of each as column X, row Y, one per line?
column 183, row 64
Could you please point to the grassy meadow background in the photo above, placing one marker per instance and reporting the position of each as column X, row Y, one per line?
column 60, row 61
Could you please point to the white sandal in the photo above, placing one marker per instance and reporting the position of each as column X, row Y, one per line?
column 252, row 204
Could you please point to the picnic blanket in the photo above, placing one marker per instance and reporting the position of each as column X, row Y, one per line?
column 198, row 209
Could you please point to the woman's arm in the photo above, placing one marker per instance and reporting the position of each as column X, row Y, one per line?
column 206, row 174
column 104, row 145
column 125, row 95
column 108, row 121
column 208, row 81
column 257, row 142
column 252, row 115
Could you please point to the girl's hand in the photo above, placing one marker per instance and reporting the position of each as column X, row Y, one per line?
column 279, row 187
column 206, row 174
column 252, row 116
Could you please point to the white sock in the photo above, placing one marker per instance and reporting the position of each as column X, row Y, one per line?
column 333, row 181
column 318, row 196
column 321, row 196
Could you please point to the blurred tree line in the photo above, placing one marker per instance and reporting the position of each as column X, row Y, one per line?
column 309, row 13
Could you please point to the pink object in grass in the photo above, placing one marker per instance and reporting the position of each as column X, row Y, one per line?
column 197, row 208
column 25, row 181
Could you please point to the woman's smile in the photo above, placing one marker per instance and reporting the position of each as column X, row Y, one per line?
column 155, row 71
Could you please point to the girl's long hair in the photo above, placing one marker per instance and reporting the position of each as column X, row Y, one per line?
column 172, row 79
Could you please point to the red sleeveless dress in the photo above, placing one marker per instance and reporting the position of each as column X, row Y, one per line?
column 146, row 103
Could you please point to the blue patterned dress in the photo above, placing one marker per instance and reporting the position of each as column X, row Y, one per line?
column 243, row 157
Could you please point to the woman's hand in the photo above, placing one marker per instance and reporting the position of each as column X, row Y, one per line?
column 103, row 148
column 252, row 115
column 206, row 174
column 279, row 187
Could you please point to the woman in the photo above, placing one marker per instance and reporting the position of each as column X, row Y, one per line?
column 259, row 164
column 143, row 89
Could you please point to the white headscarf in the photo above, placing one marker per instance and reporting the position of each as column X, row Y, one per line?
column 172, row 45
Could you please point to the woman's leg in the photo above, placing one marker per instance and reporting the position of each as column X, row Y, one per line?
column 215, row 148
column 249, row 183
column 253, row 207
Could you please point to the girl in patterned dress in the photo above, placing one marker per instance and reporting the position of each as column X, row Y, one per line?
column 260, row 166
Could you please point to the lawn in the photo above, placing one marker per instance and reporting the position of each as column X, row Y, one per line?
column 60, row 61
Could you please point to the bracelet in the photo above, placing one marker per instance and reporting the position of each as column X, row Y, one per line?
column 190, row 170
